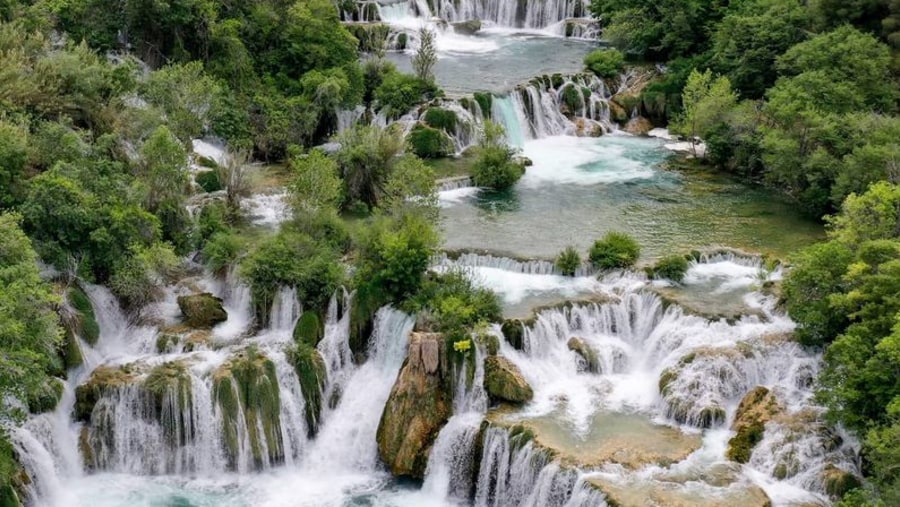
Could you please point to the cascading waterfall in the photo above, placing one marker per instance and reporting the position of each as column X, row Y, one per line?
column 528, row 267
column 532, row 14
column 347, row 441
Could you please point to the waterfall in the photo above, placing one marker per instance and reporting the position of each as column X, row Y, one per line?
column 514, row 472
column 507, row 110
column 346, row 442
column 528, row 267
column 285, row 310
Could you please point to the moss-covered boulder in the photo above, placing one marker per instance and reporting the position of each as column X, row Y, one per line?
column 245, row 390
column 755, row 410
column 417, row 408
column 443, row 119
column 47, row 397
column 489, row 342
column 102, row 380
column 311, row 372
column 588, row 356
column 838, row 482
column 309, row 329
column 470, row 27
column 617, row 113
column 503, row 381
column 514, row 332
column 202, row 310
column 86, row 324
column 71, row 353
column 428, row 142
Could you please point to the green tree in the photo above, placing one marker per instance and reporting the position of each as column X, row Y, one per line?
column 707, row 102
column 366, row 158
column 316, row 184
column 606, row 63
column 186, row 94
column 163, row 182
column 495, row 168
column 13, row 156
column 29, row 330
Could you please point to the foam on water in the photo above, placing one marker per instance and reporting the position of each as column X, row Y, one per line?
column 582, row 161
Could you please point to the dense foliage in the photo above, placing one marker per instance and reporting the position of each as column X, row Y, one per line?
column 614, row 250
column 495, row 167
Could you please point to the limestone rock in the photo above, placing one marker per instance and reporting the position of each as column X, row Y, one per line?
column 417, row 408
column 638, row 126
column 504, row 381
column 202, row 310
column 666, row 494
column 756, row 409
column 586, row 353
column 470, row 27
column 102, row 379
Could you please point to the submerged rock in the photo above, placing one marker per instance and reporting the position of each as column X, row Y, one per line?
column 202, row 310
column 587, row 354
column 757, row 408
column 503, row 381
column 470, row 27
column 417, row 408
column 646, row 493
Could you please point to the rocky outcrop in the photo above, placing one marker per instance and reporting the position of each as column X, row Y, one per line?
column 417, row 408
column 245, row 390
column 514, row 332
column 103, row 379
column 638, row 126
column 757, row 408
column 470, row 27
column 504, row 382
column 588, row 356
column 202, row 310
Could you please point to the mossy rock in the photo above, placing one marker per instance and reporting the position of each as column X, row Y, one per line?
column 617, row 113
column 9, row 497
column 85, row 449
column 311, row 372
column 418, row 407
column 47, row 396
column 167, row 342
column 638, row 126
column 469, row 27
column 103, row 379
column 72, row 355
column 309, row 329
column 247, row 385
column 755, row 410
column 484, row 100
column 586, row 353
column 514, row 332
column 86, row 322
column 504, row 381
column 202, row 310
column 838, row 482
column 490, row 343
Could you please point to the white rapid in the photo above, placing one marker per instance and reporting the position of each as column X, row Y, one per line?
column 532, row 14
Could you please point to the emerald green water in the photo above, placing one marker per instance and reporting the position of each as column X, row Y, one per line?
column 580, row 188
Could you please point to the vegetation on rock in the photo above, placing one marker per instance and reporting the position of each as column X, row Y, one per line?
column 614, row 250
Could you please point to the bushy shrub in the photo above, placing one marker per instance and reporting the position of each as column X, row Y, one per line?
column 454, row 304
column 496, row 169
column 673, row 267
column 295, row 260
column 222, row 250
column 398, row 93
column 208, row 181
column 615, row 250
column 606, row 63
column 441, row 119
column 568, row 261
column 428, row 142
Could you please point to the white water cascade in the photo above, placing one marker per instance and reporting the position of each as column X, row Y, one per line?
column 531, row 14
